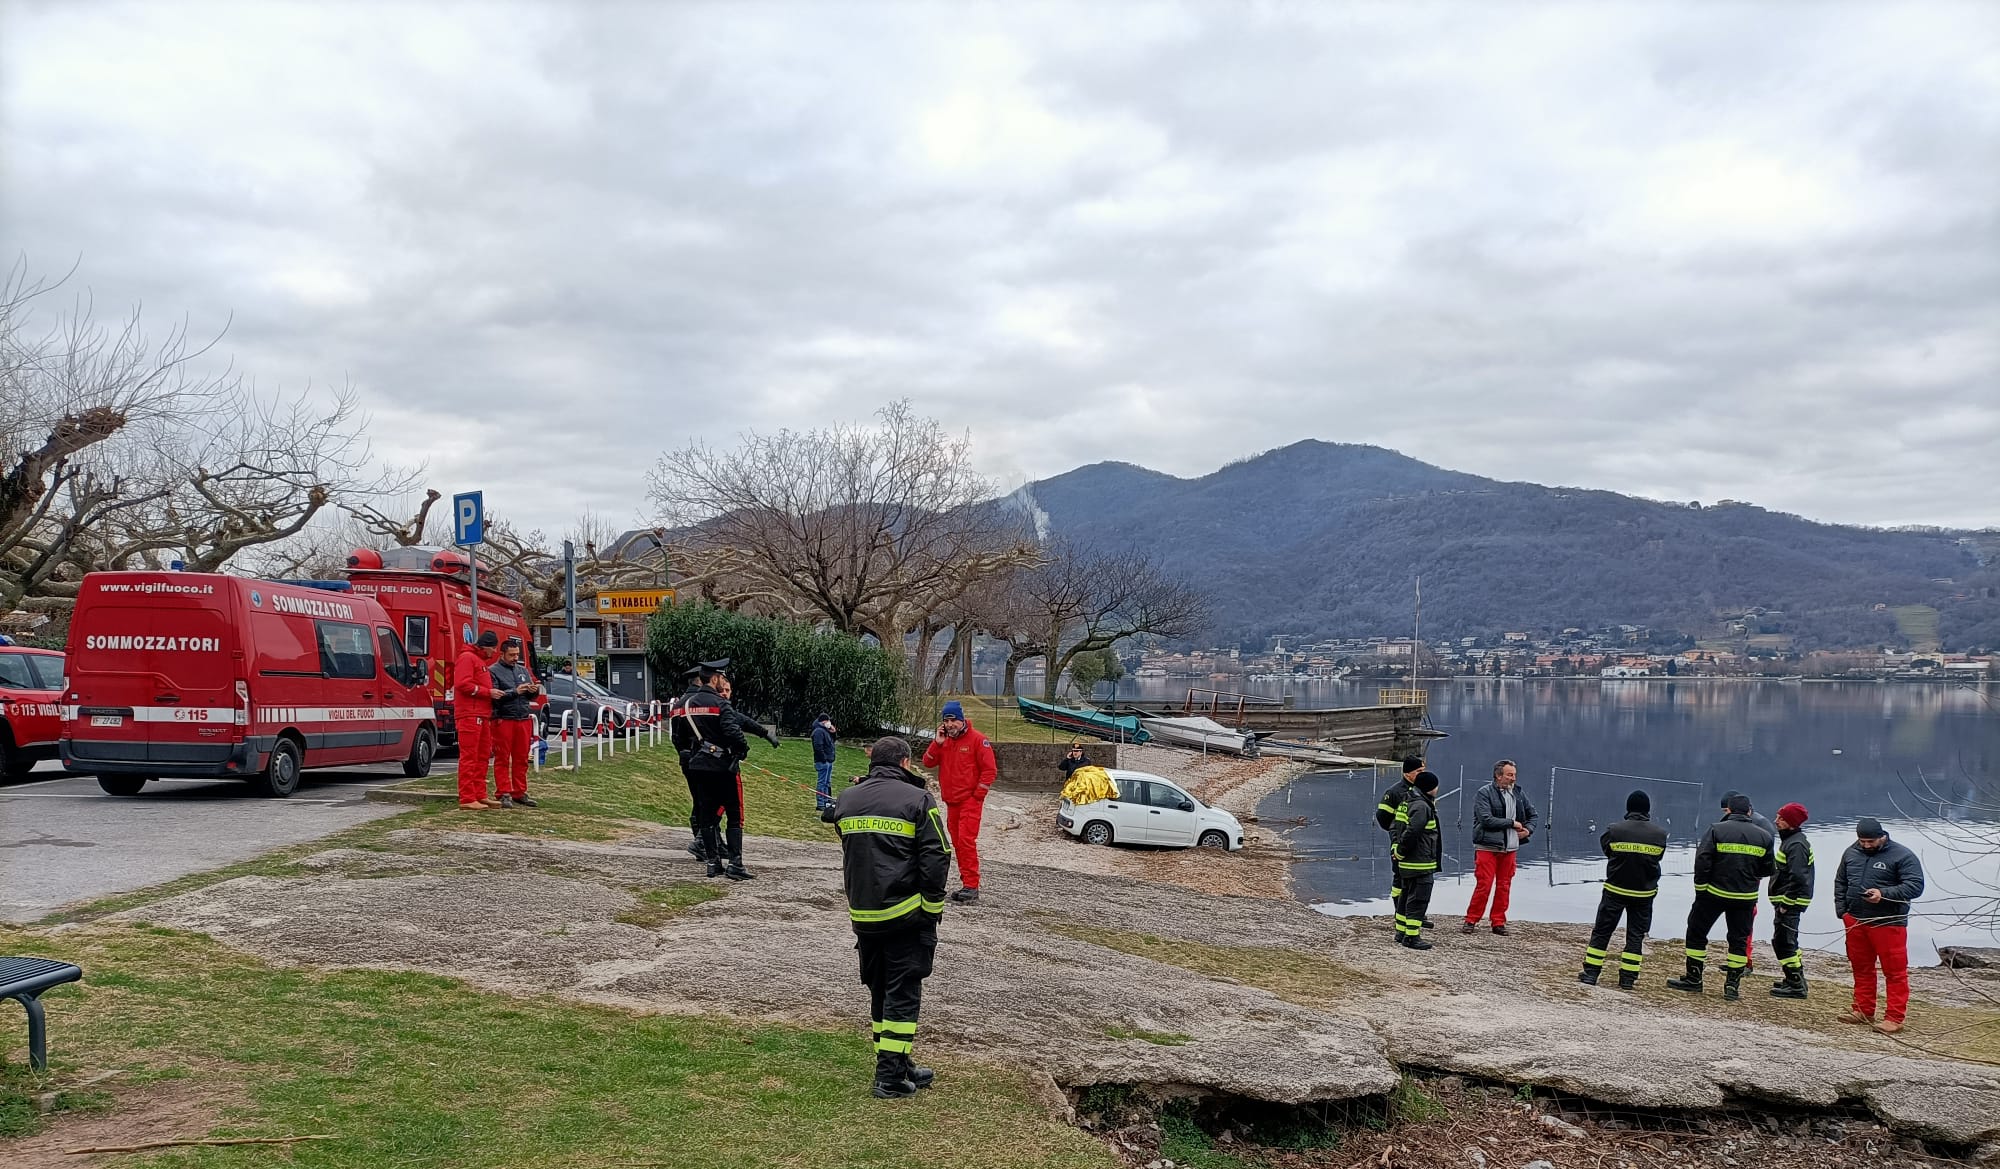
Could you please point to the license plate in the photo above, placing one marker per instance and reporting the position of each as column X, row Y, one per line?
column 106, row 720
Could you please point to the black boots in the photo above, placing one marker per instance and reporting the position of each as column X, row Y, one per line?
column 714, row 867
column 1589, row 976
column 1691, row 981
column 1792, row 986
column 897, row 1076
column 1732, row 986
column 736, row 871
column 1628, row 980
column 1415, row 942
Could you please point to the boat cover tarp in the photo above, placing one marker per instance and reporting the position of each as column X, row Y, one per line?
column 1087, row 785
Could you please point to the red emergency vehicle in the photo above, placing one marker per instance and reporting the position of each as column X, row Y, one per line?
column 433, row 613
column 198, row 675
column 30, row 707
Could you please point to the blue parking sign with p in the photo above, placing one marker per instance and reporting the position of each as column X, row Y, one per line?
column 468, row 514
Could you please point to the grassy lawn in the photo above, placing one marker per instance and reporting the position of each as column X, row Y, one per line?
column 1919, row 623
column 1000, row 720
column 416, row 1070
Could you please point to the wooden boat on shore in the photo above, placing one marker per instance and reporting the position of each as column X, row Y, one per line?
column 1095, row 723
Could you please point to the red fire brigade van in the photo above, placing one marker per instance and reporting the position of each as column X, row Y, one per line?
column 195, row 675
column 30, row 707
column 433, row 613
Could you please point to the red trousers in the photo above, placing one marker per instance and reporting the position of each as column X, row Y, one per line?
column 475, row 751
column 1492, row 873
column 1889, row 945
column 512, row 740
column 961, row 821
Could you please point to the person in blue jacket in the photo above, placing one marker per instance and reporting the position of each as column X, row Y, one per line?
column 824, row 734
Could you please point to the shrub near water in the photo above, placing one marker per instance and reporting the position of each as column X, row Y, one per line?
column 787, row 669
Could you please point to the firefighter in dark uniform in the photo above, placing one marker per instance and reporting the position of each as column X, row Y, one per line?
column 709, row 738
column 1633, row 848
column 1733, row 860
column 1791, row 895
column 1419, row 842
column 1392, row 811
column 895, row 857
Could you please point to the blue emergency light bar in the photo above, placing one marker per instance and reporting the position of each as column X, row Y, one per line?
column 331, row 586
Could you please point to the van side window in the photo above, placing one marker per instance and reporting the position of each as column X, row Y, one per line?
column 345, row 651
column 417, row 636
column 395, row 663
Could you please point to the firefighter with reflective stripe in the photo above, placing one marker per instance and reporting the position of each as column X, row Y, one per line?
column 1633, row 848
column 1733, row 860
column 1791, row 895
column 1419, row 842
column 895, row 855
column 1393, row 810
column 708, row 737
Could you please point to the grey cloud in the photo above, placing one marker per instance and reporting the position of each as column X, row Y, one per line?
column 1686, row 252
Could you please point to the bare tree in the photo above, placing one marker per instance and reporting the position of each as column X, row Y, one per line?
column 122, row 453
column 1078, row 602
column 871, row 528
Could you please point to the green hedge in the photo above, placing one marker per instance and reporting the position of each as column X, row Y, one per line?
column 782, row 669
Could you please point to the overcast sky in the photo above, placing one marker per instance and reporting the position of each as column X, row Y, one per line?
column 1691, row 252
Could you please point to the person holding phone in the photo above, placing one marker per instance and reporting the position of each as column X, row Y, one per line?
column 513, row 726
column 966, row 769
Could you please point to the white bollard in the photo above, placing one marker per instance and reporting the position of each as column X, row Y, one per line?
column 539, row 747
column 653, row 720
column 602, row 732
column 566, row 733
column 631, row 729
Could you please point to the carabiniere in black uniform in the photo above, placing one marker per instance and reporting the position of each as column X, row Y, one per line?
column 1633, row 848
column 895, row 856
column 708, row 736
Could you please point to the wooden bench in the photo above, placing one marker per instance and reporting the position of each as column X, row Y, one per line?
column 24, row 979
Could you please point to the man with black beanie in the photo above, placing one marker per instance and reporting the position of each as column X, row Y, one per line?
column 895, row 856
column 1733, row 860
column 1633, row 848
column 1390, row 814
column 1419, row 842
column 1872, row 891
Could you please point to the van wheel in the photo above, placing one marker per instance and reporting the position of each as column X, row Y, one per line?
column 121, row 785
column 281, row 775
column 1214, row 839
column 422, row 752
column 14, row 762
column 1097, row 832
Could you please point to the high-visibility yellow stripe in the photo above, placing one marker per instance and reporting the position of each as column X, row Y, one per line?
column 933, row 906
column 1642, row 849
column 1418, row 866
column 1624, row 892
column 1742, row 849
column 1792, row 902
column 885, row 825
column 901, row 1045
column 1738, row 961
column 1386, row 807
column 894, row 1027
column 1726, row 894
column 937, row 822
column 893, row 912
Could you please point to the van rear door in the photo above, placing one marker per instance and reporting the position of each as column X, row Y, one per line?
column 154, row 678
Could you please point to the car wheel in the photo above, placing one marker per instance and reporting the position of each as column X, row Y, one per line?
column 1097, row 832
column 1214, row 839
column 281, row 775
column 422, row 752
column 121, row 785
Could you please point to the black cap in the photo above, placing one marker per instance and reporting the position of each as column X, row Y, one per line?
column 488, row 639
column 1727, row 796
column 1738, row 805
column 1639, row 802
column 1868, row 827
column 709, row 669
column 1412, row 763
column 1426, row 781
column 822, row 717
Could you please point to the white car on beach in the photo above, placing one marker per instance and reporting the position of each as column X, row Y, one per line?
column 1151, row 810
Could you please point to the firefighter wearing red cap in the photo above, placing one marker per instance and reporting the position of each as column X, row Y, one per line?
column 965, row 767
column 473, row 693
column 1791, row 894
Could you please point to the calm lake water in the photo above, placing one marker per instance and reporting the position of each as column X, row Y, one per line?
column 1922, row 758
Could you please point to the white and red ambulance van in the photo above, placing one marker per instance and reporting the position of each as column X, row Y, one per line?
column 204, row 676
column 434, row 612
column 30, row 707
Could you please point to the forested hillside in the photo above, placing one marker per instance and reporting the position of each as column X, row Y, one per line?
column 1324, row 539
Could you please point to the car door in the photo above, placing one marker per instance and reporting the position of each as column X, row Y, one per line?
column 562, row 697
column 1167, row 821
column 1127, row 813
column 398, row 694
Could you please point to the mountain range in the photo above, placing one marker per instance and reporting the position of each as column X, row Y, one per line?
column 1321, row 539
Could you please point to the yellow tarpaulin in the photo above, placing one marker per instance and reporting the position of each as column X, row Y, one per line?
column 1087, row 785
